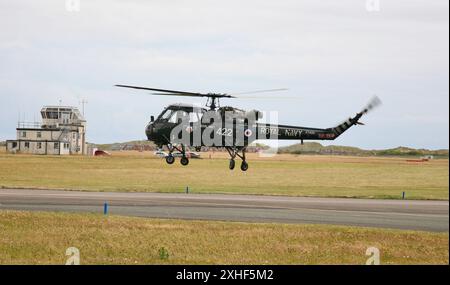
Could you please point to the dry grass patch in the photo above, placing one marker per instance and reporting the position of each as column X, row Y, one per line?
column 42, row 238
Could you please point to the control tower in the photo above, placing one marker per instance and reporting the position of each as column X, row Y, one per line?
column 62, row 131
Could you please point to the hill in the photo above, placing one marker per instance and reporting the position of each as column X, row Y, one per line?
column 131, row 145
column 147, row 145
column 317, row 148
column 306, row 148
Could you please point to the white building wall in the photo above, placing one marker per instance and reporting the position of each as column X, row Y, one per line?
column 38, row 134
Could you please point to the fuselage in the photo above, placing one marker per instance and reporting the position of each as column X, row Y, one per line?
column 198, row 127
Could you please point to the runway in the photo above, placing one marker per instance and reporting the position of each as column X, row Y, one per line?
column 396, row 214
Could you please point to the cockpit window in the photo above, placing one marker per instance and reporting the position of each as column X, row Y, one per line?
column 177, row 115
column 166, row 115
column 174, row 115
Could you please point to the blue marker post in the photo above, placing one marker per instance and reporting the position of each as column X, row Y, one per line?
column 403, row 195
column 105, row 209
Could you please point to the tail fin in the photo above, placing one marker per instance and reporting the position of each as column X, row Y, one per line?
column 338, row 130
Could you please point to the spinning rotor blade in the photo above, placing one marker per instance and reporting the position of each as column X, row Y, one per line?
column 270, row 97
column 259, row 91
column 374, row 102
column 176, row 94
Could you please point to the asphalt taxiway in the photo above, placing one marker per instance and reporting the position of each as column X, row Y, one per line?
column 396, row 214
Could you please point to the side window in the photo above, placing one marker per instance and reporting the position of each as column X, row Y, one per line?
column 195, row 117
column 39, row 145
column 27, row 144
column 39, row 134
column 14, row 144
column 56, row 145
column 24, row 134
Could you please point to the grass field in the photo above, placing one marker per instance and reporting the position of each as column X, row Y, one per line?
column 42, row 238
column 286, row 174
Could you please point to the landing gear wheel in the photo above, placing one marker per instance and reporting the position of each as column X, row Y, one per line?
column 170, row 159
column 184, row 160
column 232, row 164
column 244, row 166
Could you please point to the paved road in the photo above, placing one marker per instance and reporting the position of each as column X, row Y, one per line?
column 399, row 214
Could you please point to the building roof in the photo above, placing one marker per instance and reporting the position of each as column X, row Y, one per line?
column 59, row 106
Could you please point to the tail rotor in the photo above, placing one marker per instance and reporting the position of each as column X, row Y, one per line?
column 373, row 103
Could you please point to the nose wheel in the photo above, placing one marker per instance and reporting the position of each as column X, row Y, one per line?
column 170, row 159
column 232, row 164
column 184, row 161
column 234, row 152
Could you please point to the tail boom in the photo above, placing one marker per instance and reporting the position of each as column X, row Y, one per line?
column 283, row 132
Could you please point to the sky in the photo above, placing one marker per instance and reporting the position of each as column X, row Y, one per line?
column 333, row 56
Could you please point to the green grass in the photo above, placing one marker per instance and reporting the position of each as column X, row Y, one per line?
column 42, row 238
column 282, row 175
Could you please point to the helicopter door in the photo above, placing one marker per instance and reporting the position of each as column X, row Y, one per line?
column 190, row 128
column 195, row 127
column 176, row 117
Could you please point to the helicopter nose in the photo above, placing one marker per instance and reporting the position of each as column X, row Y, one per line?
column 149, row 130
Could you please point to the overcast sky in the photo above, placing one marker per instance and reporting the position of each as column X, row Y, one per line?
column 332, row 55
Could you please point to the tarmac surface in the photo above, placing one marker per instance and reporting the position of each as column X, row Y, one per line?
column 396, row 214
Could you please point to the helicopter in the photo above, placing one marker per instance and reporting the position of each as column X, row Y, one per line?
column 181, row 125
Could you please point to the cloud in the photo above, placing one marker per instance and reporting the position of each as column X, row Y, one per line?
column 332, row 54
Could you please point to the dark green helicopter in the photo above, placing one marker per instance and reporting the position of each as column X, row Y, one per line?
column 185, row 125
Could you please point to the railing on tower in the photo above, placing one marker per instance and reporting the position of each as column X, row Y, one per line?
column 30, row 125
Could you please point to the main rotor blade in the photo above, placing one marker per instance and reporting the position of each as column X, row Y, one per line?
column 270, row 97
column 191, row 95
column 160, row 90
column 260, row 91
column 167, row 92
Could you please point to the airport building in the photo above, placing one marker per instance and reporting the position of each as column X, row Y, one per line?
column 62, row 132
